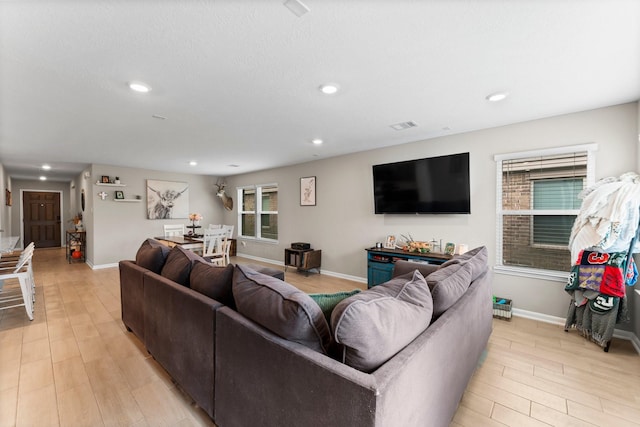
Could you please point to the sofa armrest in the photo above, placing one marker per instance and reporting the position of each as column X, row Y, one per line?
column 179, row 329
column 402, row 267
column 132, row 297
column 264, row 380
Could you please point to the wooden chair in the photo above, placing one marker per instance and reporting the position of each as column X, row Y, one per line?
column 174, row 230
column 214, row 244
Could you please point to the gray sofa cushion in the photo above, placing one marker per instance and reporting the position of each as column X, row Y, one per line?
column 213, row 281
column 152, row 255
column 476, row 258
column 375, row 324
column 281, row 308
column 448, row 284
column 178, row 265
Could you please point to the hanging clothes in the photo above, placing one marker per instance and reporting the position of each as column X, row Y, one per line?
column 609, row 216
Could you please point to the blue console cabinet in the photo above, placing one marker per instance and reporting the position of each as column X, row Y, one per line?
column 380, row 262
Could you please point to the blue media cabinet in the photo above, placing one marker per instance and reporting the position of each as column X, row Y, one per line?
column 380, row 262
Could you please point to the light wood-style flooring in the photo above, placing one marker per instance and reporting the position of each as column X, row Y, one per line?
column 75, row 364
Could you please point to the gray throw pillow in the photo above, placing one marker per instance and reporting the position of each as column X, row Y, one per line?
column 281, row 308
column 152, row 255
column 213, row 281
column 178, row 265
column 477, row 258
column 377, row 323
column 448, row 284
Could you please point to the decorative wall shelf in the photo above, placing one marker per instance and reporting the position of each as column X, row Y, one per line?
column 127, row 200
column 104, row 184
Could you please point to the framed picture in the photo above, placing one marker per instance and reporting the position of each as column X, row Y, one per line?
column 450, row 248
column 308, row 191
column 7, row 197
column 105, row 179
column 167, row 199
column 119, row 195
column 390, row 243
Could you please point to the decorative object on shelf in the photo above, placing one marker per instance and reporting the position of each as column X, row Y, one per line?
column 7, row 195
column 117, row 180
column 415, row 246
column 105, row 179
column 82, row 199
column 390, row 243
column 450, row 248
column 227, row 201
column 119, row 195
column 167, row 199
column 103, row 195
column 308, row 191
column 77, row 222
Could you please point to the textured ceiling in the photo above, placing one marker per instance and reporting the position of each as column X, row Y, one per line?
column 237, row 81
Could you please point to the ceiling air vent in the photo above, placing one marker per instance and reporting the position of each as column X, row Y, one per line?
column 403, row 125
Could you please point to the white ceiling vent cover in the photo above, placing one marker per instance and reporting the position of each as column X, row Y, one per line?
column 404, row 125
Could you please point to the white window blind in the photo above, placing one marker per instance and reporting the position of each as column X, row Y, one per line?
column 537, row 206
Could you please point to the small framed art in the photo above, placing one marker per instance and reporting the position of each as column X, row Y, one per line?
column 450, row 248
column 390, row 243
column 105, row 179
column 308, row 191
column 119, row 195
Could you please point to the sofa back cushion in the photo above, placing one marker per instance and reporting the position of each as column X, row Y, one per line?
column 447, row 285
column 375, row 324
column 477, row 259
column 152, row 255
column 178, row 265
column 281, row 308
column 213, row 281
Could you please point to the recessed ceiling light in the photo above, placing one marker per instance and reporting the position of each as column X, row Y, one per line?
column 139, row 87
column 43, row 178
column 317, row 141
column 498, row 96
column 193, row 163
column 329, row 88
column 46, row 167
column 296, row 7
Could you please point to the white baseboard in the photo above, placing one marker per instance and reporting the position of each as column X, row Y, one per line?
column 618, row 333
column 101, row 266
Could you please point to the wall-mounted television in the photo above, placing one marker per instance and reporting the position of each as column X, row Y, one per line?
column 434, row 185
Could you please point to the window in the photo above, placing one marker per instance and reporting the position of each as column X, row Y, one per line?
column 537, row 205
column 258, row 213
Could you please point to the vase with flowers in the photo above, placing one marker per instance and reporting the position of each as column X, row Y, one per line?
column 195, row 223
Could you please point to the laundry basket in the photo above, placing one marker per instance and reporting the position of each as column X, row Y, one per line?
column 502, row 308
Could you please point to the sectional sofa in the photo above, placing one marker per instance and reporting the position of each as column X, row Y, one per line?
column 252, row 350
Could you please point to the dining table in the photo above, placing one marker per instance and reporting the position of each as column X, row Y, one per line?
column 186, row 242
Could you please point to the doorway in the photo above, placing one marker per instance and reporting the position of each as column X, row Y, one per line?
column 42, row 218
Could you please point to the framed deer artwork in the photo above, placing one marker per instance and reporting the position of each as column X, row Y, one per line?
column 167, row 199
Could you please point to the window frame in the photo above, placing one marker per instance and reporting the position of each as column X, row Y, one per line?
column 531, row 272
column 258, row 212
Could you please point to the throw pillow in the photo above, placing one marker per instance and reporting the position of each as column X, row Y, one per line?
column 327, row 302
column 178, row 265
column 281, row 308
column 377, row 323
column 152, row 255
column 448, row 284
column 213, row 281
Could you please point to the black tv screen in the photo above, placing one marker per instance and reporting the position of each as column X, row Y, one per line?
column 431, row 185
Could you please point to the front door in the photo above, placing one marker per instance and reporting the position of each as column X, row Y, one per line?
column 41, row 218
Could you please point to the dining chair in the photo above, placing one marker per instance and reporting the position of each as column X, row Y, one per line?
column 22, row 270
column 214, row 245
column 229, row 229
column 12, row 259
column 214, row 226
column 174, row 230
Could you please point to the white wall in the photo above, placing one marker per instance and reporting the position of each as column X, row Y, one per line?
column 5, row 211
column 343, row 223
column 115, row 230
